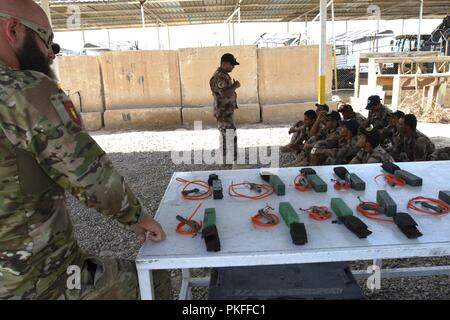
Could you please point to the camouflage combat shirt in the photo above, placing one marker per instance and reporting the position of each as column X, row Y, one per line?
column 44, row 152
column 225, row 97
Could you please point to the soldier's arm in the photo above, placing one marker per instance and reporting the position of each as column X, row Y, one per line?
column 356, row 159
column 43, row 123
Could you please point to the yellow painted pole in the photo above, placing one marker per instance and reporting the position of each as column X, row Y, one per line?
column 322, row 51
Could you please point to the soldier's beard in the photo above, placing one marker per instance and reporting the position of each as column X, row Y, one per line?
column 31, row 58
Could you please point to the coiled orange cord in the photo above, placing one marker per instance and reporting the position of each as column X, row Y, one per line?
column 445, row 208
column 391, row 179
column 299, row 186
column 256, row 219
column 199, row 196
column 267, row 187
column 319, row 213
column 179, row 229
column 341, row 186
column 371, row 210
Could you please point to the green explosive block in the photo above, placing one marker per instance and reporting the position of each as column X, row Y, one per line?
column 317, row 183
column 288, row 213
column 340, row 208
column 410, row 178
column 356, row 182
column 209, row 219
column 444, row 196
column 385, row 201
column 278, row 185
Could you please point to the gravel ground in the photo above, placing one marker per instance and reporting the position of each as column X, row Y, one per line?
column 144, row 158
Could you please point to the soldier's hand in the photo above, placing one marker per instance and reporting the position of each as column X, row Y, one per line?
column 236, row 84
column 148, row 228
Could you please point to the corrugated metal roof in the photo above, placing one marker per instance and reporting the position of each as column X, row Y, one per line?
column 127, row 13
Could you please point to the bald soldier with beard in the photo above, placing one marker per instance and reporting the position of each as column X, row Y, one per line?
column 45, row 152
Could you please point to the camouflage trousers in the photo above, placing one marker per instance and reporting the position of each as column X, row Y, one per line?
column 441, row 154
column 321, row 156
column 228, row 137
column 115, row 279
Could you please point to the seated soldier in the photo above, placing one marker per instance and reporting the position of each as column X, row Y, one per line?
column 345, row 151
column 348, row 113
column 377, row 113
column 409, row 144
column 440, row 154
column 371, row 151
column 387, row 134
column 300, row 132
column 321, row 136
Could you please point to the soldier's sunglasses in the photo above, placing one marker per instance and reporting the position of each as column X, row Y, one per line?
column 45, row 34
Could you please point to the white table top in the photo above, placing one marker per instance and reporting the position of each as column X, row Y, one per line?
column 242, row 243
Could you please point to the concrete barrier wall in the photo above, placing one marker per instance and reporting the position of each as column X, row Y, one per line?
column 82, row 74
column 197, row 65
column 290, row 74
column 141, row 79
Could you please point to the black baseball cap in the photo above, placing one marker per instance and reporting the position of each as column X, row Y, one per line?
column 372, row 102
column 228, row 57
column 346, row 108
column 333, row 115
column 324, row 107
column 372, row 136
column 351, row 124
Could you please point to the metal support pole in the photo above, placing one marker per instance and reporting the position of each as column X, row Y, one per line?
column 142, row 16
column 420, row 25
column 159, row 38
column 232, row 27
column 109, row 39
column 334, row 48
column 306, row 28
column 168, row 36
column 322, row 51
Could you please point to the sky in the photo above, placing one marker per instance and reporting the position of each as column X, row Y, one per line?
column 217, row 34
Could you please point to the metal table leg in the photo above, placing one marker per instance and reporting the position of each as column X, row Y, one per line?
column 146, row 284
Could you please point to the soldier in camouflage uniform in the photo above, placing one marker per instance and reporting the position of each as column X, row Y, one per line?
column 223, row 89
column 300, row 133
column 387, row 134
column 346, row 149
column 440, row 154
column 378, row 113
column 348, row 113
column 321, row 137
column 371, row 151
column 44, row 152
column 409, row 144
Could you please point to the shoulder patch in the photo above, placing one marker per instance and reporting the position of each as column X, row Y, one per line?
column 66, row 109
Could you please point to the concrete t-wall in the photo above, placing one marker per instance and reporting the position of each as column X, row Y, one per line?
column 141, row 79
column 197, row 65
column 82, row 74
column 290, row 74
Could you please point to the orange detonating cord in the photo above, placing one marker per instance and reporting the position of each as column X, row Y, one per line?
column 256, row 219
column 392, row 180
column 179, row 229
column 267, row 187
column 300, row 187
column 341, row 186
column 444, row 207
column 198, row 196
column 320, row 215
column 372, row 212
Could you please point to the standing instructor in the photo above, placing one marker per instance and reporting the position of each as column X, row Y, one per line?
column 223, row 89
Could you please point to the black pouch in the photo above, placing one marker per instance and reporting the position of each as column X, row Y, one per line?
column 407, row 225
column 356, row 226
column 390, row 167
column 341, row 172
column 307, row 171
column 211, row 236
column 298, row 233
